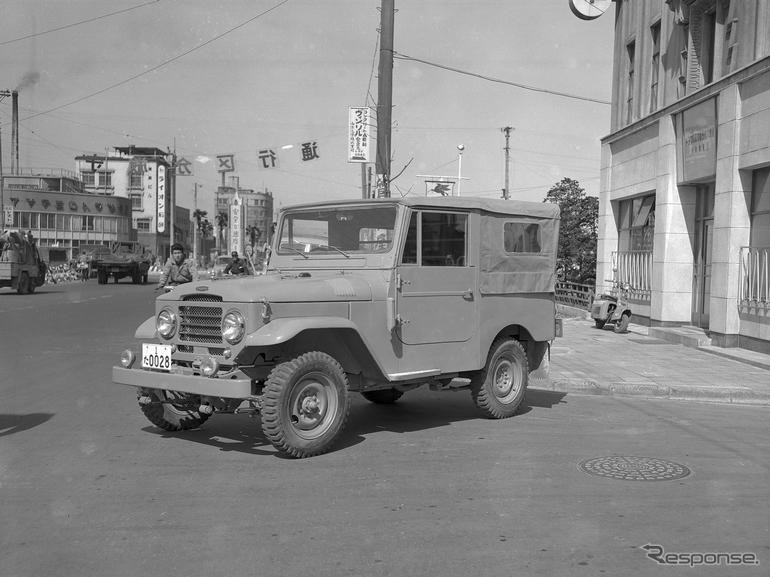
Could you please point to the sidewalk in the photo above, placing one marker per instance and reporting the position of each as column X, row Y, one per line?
column 588, row 360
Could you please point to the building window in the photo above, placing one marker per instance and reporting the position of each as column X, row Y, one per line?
column 760, row 209
column 654, row 65
column 135, row 180
column 730, row 46
column 105, row 179
column 630, row 54
column 683, row 57
column 143, row 224
column 708, row 34
column 136, row 201
column 89, row 178
column 636, row 226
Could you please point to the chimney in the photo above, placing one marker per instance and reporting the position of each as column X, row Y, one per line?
column 15, row 132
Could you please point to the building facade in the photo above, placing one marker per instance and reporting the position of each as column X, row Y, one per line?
column 145, row 176
column 684, row 213
column 257, row 211
column 56, row 208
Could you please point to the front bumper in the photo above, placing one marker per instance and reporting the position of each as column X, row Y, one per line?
column 238, row 388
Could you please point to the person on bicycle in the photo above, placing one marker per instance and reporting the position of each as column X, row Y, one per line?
column 178, row 269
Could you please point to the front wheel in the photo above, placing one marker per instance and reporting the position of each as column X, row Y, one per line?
column 622, row 325
column 499, row 387
column 174, row 411
column 23, row 285
column 305, row 404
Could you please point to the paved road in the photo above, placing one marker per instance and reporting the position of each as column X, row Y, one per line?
column 425, row 487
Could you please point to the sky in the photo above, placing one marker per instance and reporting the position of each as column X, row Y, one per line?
column 208, row 78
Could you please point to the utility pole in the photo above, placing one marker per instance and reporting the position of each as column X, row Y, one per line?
column 507, row 131
column 385, row 98
column 195, row 225
column 172, row 177
column 3, row 94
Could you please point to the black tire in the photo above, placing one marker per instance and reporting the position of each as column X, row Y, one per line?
column 174, row 417
column 599, row 324
column 499, row 387
column 136, row 278
column 622, row 325
column 144, row 278
column 23, row 284
column 101, row 276
column 305, row 404
column 383, row 397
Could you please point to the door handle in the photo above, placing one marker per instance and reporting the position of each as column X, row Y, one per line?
column 468, row 295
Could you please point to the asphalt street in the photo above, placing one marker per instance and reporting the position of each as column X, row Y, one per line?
column 574, row 484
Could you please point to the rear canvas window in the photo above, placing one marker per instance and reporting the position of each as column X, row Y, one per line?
column 521, row 237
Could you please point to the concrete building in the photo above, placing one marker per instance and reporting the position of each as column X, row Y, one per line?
column 56, row 207
column 685, row 175
column 144, row 175
column 258, row 209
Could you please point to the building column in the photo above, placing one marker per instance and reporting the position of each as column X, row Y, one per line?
column 607, row 231
column 672, row 254
column 732, row 221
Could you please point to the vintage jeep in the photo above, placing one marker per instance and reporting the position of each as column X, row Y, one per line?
column 369, row 296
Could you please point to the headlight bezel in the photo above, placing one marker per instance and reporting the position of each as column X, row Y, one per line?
column 169, row 320
column 233, row 326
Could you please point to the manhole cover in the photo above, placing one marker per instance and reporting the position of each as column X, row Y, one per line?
column 634, row 468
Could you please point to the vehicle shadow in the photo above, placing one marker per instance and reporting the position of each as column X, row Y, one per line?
column 243, row 434
column 10, row 424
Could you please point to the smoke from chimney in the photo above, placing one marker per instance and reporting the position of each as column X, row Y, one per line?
column 29, row 79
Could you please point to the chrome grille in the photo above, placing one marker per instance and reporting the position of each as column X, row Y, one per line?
column 200, row 324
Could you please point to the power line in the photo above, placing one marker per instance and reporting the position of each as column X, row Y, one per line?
column 489, row 78
column 161, row 65
column 3, row 43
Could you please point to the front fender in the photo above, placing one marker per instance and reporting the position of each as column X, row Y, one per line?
column 279, row 331
column 146, row 330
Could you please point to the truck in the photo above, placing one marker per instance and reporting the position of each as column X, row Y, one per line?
column 21, row 267
column 122, row 259
column 390, row 295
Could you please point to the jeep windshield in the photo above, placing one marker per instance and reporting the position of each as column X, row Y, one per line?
column 340, row 231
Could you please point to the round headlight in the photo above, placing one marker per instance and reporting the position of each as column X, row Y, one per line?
column 166, row 324
column 233, row 327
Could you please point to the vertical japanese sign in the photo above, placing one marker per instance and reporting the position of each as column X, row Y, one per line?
column 236, row 225
column 358, row 134
column 161, row 192
column 8, row 215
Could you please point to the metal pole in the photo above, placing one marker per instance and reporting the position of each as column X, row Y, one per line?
column 507, row 131
column 385, row 98
column 15, row 132
column 195, row 224
column 172, row 177
column 460, row 149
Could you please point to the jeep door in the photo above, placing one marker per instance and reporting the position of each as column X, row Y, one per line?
column 436, row 295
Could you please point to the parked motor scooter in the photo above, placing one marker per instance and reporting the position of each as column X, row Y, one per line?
column 614, row 310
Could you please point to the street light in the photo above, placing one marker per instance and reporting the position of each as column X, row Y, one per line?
column 460, row 149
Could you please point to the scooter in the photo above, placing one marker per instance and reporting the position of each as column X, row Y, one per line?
column 614, row 310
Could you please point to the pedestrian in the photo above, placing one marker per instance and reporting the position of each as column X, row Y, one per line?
column 82, row 267
column 178, row 269
column 237, row 265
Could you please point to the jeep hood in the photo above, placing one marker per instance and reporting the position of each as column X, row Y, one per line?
column 277, row 288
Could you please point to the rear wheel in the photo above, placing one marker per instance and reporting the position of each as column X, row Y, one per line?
column 599, row 324
column 305, row 404
column 174, row 411
column 622, row 325
column 499, row 387
column 383, row 397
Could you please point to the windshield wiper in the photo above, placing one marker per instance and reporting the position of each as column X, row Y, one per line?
column 339, row 250
column 299, row 252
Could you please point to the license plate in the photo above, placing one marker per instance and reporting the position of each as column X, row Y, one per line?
column 156, row 356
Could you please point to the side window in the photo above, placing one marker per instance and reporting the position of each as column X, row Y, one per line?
column 410, row 247
column 443, row 240
column 521, row 237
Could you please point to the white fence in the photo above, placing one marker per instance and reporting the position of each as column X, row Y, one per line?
column 755, row 276
column 635, row 268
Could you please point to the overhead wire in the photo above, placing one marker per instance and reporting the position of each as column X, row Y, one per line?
column 73, row 24
column 498, row 80
column 162, row 64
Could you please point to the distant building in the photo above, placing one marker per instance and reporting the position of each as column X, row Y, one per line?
column 56, row 207
column 144, row 175
column 685, row 175
column 258, row 208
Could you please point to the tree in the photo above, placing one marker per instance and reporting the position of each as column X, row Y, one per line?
column 576, row 257
column 222, row 221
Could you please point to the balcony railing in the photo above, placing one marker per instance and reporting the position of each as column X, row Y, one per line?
column 635, row 268
column 755, row 276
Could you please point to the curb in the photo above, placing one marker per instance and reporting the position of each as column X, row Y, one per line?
column 726, row 394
